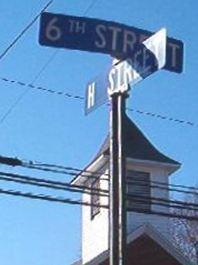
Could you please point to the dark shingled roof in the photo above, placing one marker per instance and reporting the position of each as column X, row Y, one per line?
column 137, row 145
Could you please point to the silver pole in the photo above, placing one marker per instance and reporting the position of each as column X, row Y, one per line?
column 117, row 182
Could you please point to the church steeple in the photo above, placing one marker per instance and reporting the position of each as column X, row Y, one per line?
column 144, row 164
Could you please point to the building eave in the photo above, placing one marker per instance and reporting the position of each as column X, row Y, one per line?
column 171, row 168
column 94, row 166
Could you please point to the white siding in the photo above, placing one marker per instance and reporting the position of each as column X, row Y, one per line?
column 134, row 220
column 94, row 231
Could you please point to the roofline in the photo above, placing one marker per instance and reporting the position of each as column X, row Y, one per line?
column 150, row 231
column 94, row 165
column 166, row 244
column 172, row 167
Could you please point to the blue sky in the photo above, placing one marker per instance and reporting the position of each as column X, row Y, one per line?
column 51, row 128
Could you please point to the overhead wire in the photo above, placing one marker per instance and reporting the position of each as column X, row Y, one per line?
column 48, row 198
column 51, row 184
column 142, row 183
column 72, row 96
column 6, row 114
column 10, row 109
column 90, row 6
column 130, row 181
column 2, row 55
column 70, row 172
column 163, row 202
column 99, row 173
column 79, row 202
column 180, row 205
column 94, row 191
column 69, row 95
column 73, row 171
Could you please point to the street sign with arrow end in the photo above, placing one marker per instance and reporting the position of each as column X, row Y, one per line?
column 96, row 35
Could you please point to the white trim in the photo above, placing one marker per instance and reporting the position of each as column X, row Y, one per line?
column 156, row 236
column 102, row 159
column 96, row 164
column 170, row 167
column 149, row 230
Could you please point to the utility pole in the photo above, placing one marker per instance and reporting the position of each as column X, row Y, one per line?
column 117, row 180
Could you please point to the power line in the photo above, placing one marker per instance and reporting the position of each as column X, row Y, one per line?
column 157, row 201
column 46, row 185
column 48, row 198
column 51, row 184
column 6, row 114
column 79, row 202
column 130, row 181
column 143, row 183
column 41, row 88
column 98, row 173
column 24, row 30
column 167, row 184
column 72, row 171
column 93, row 191
column 42, row 69
column 163, row 117
column 92, row 3
column 163, row 202
column 71, row 96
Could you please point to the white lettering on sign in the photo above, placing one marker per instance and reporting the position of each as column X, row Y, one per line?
column 120, row 76
column 115, row 31
column 130, row 40
column 131, row 71
column 91, row 95
column 77, row 26
column 53, row 32
column 174, row 48
column 100, row 30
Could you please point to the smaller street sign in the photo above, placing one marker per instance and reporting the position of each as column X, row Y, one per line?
column 150, row 57
column 95, row 35
column 96, row 92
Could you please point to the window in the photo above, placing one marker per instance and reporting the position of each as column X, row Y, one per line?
column 95, row 198
column 138, row 185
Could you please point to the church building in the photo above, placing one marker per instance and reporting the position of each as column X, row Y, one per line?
column 148, row 237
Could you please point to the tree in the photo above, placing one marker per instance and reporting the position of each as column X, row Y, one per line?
column 185, row 232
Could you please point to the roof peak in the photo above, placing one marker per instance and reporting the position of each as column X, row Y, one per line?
column 137, row 146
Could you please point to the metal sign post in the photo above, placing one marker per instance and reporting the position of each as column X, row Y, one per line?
column 117, row 181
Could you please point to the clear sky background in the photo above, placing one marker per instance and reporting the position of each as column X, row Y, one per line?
column 52, row 128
